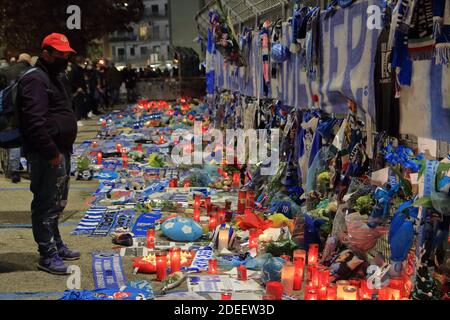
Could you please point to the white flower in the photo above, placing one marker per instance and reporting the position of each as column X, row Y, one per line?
column 186, row 229
column 169, row 225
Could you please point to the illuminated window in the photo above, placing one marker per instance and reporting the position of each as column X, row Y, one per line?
column 143, row 32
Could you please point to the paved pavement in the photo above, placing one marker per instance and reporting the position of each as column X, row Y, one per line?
column 18, row 251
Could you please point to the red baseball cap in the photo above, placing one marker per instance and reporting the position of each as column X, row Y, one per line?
column 57, row 41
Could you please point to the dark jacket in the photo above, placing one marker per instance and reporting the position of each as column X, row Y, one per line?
column 76, row 78
column 114, row 77
column 48, row 123
column 12, row 73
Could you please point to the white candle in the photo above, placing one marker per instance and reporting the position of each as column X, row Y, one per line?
column 223, row 239
column 287, row 278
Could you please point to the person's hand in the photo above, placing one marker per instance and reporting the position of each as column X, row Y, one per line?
column 56, row 161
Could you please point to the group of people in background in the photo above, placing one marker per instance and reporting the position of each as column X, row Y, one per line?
column 94, row 88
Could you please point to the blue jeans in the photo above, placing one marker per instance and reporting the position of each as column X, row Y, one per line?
column 50, row 187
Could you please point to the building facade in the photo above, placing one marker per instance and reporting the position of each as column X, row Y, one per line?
column 148, row 43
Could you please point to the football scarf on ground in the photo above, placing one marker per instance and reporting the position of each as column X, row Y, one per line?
column 108, row 271
column 114, row 219
column 90, row 221
column 144, row 222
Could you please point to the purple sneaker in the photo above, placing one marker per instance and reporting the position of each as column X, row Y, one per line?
column 68, row 255
column 53, row 265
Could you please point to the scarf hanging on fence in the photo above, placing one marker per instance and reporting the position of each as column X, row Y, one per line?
column 265, row 55
column 421, row 41
column 441, row 20
column 313, row 45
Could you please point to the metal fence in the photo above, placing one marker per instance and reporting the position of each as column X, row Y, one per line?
column 249, row 13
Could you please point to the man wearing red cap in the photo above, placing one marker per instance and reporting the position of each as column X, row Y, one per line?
column 49, row 129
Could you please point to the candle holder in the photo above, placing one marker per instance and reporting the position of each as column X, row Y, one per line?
column 253, row 241
column 222, row 215
column 241, row 202
column 119, row 148
column 197, row 201
column 227, row 295
column 223, row 239
column 197, row 213
column 299, row 271
column 236, row 180
column 207, row 202
column 287, row 278
column 250, row 199
column 274, row 289
column 99, row 158
column 313, row 254
column 212, row 266
column 175, row 260
column 332, row 292
column 161, row 266
column 151, row 238
column 311, row 294
column 300, row 254
column 242, row 273
column 212, row 223
column 173, row 183
column 340, row 285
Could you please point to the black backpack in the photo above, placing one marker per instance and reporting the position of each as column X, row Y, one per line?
column 10, row 136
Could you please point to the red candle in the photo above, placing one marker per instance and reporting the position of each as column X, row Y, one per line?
column 250, row 199
column 99, row 158
column 311, row 294
column 187, row 184
column 313, row 254
column 314, row 276
column 220, row 171
column 275, row 289
column 151, row 238
column 332, row 292
column 236, row 180
column 197, row 201
column 124, row 160
column 175, row 259
column 242, row 273
column 212, row 269
column 222, row 215
column 398, row 284
column 161, row 266
column 324, row 277
column 241, row 202
column 207, row 202
column 103, row 123
column 226, row 295
column 119, row 148
column 212, row 223
column 94, row 144
column 161, row 140
column 225, row 175
column 299, row 265
column 253, row 239
column 139, row 147
column 197, row 215
column 173, row 183
column 365, row 293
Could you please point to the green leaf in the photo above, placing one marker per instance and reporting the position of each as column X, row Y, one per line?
column 403, row 182
column 424, row 202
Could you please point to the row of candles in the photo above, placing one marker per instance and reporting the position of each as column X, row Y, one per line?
column 318, row 284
